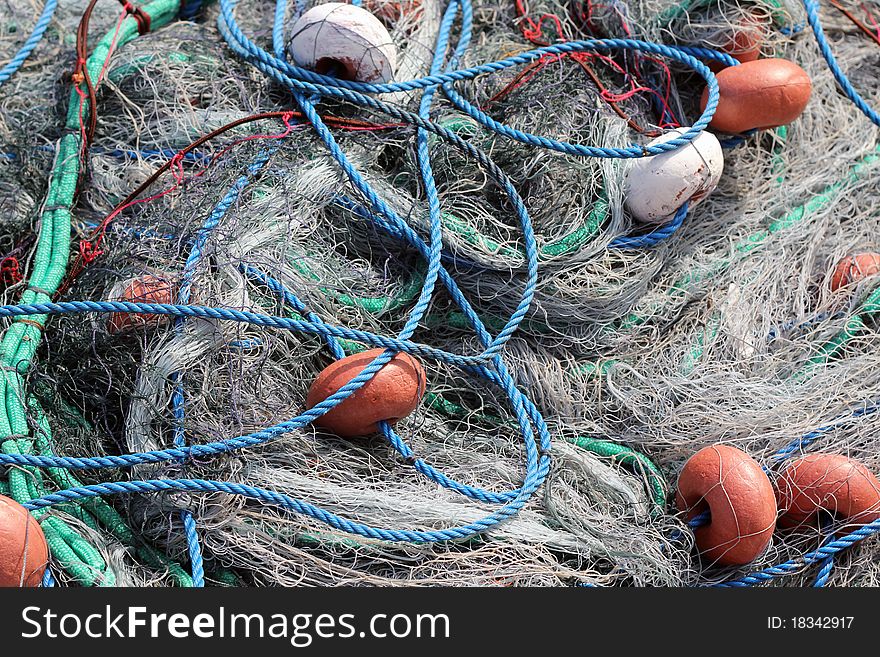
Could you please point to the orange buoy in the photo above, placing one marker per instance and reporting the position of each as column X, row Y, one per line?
column 855, row 268
column 830, row 482
column 733, row 487
column 393, row 393
column 760, row 94
column 143, row 289
column 24, row 553
column 743, row 43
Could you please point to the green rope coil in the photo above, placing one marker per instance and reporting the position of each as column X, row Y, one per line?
column 20, row 341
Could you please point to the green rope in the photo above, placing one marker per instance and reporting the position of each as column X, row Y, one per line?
column 753, row 242
column 372, row 305
column 630, row 458
column 855, row 325
column 688, row 6
column 20, row 341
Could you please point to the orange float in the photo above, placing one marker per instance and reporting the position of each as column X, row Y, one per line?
column 24, row 553
column 744, row 43
column 393, row 393
column 855, row 268
column 761, row 94
column 733, row 487
column 830, row 482
column 143, row 289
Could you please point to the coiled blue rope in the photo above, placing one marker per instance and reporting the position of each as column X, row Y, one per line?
column 298, row 80
column 527, row 415
column 32, row 42
column 307, row 88
column 305, row 81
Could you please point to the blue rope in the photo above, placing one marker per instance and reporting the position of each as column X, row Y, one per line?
column 32, row 42
column 305, row 81
column 794, row 324
column 812, row 7
column 816, row 556
column 189, row 8
column 48, row 579
column 827, row 566
column 824, row 573
column 655, row 236
column 284, row 501
column 799, row 444
column 279, row 69
column 435, row 223
column 183, row 297
column 247, row 317
column 396, row 442
column 733, row 142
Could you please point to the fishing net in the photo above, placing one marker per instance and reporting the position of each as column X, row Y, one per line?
column 636, row 358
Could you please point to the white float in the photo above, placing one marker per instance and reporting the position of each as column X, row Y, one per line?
column 657, row 186
column 347, row 37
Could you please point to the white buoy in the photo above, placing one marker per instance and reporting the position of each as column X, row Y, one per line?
column 342, row 37
column 657, row 186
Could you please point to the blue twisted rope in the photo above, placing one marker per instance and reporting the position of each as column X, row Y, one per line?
column 799, row 444
column 285, row 501
column 812, row 8
column 824, row 573
column 183, row 297
column 305, row 81
column 827, row 566
column 395, row 440
column 300, row 81
column 247, row 317
column 655, row 236
column 48, row 579
column 816, row 556
column 32, row 42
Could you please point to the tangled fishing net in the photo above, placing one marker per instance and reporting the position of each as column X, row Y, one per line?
column 627, row 357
